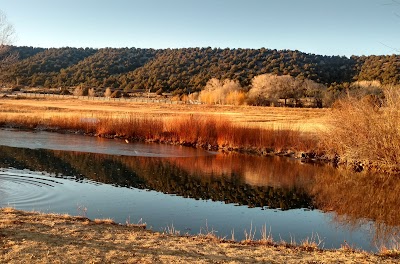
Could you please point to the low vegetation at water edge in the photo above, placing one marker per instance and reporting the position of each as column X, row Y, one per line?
column 200, row 131
column 366, row 132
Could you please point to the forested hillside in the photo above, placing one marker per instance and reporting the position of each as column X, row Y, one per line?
column 385, row 69
column 190, row 69
column 187, row 70
column 42, row 68
column 102, row 67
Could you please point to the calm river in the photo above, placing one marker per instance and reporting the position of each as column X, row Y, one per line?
column 197, row 191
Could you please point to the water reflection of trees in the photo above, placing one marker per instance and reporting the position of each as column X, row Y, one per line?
column 359, row 198
column 228, row 178
column 356, row 199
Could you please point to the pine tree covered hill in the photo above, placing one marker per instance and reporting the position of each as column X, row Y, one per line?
column 187, row 69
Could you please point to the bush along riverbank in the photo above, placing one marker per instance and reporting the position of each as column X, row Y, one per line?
column 365, row 133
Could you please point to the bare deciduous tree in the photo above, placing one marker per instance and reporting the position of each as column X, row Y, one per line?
column 268, row 89
column 314, row 90
column 7, row 33
column 81, row 90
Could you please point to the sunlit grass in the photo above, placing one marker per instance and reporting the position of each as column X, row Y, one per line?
column 209, row 132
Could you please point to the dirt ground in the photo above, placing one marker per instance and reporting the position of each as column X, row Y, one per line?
column 307, row 119
column 31, row 237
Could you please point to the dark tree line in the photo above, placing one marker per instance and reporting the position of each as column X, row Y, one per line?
column 385, row 69
column 187, row 70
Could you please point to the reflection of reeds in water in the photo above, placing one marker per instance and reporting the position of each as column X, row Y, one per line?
column 203, row 131
column 357, row 198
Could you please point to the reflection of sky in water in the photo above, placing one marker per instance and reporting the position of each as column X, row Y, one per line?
column 160, row 210
column 70, row 142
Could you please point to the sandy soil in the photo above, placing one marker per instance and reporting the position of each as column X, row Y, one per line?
column 31, row 237
column 310, row 120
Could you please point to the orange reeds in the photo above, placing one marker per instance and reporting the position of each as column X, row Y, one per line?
column 194, row 130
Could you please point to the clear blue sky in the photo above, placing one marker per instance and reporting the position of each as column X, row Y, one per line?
column 327, row 27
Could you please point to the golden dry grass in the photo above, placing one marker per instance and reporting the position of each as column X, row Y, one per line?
column 304, row 119
column 259, row 129
column 30, row 237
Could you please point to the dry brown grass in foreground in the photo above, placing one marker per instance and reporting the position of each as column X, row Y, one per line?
column 29, row 237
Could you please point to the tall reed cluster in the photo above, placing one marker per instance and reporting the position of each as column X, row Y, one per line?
column 367, row 131
column 201, row 131
column 208, row 132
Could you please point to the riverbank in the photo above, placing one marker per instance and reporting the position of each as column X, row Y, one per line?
column 248, row 129
column 309, row 134
column 32, row 237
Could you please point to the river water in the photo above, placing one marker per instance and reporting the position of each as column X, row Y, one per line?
column 197, row 191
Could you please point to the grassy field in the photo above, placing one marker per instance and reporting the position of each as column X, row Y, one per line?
column 308, row 119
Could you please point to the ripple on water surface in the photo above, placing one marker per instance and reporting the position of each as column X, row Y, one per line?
column 24, row 188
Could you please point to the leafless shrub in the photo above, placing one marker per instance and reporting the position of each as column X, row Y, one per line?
column 235, row 98
column 108, row 92
column 222, row 92
column 363, row 133
column 92, row 92
column 81, row 90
